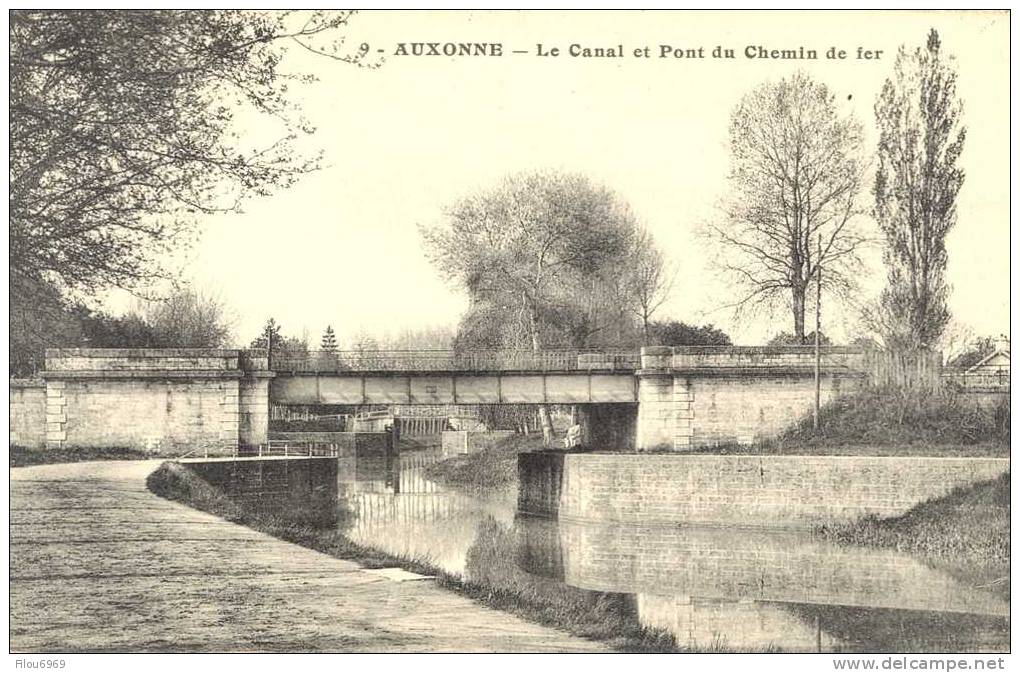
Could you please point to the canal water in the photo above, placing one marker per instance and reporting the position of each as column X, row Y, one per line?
column 712, row 588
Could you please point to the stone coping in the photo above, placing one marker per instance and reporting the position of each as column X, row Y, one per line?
column 144, row 352
column 112, row 374
column 750, row 350
column 741, row 371
column 27, row 383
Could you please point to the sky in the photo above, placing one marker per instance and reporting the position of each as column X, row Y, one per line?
column 405, row 140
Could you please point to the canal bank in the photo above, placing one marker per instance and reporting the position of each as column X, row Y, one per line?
column 661, row 587
column 99, row 563
column 389, row 516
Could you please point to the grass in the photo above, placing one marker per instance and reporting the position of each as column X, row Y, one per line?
column 494, row 468
column 889, row 417
column 892, row 422
column 969, row 525
column 23, row 456
column 794, row 447
column 585, row 614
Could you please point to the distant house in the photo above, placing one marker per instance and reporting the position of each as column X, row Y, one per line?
column 996, row 362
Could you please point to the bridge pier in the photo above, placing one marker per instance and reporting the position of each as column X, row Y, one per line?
column 665, row 403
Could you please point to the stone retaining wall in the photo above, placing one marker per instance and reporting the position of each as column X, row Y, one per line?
column 767, row 491
column 28, row 413
column 302, row 490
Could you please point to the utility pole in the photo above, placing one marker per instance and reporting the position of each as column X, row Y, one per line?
column 818, row 338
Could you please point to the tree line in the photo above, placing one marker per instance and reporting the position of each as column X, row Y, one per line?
column 553, row 259
column 118, row 147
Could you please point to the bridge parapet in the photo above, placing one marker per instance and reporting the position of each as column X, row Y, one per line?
column 455, row 361
column 766, row 357
column 61, row 362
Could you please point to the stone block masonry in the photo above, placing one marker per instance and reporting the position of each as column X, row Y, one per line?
column 302, row 490
column 172, row 400
column 215, row 400
column 28, row 413
column 690, row 396
column 743, row 490
column 162, row 416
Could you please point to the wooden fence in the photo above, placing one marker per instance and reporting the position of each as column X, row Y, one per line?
column 913, row 370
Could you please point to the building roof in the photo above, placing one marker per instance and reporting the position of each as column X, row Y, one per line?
column 1004, row 352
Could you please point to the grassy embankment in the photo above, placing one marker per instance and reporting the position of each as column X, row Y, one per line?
column 492, row 469
column 969, row 525
column 550, row 603
column 894, row 423
column 970, row 521
column 23, row 457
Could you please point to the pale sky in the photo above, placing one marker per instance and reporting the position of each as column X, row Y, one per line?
column 406, row 139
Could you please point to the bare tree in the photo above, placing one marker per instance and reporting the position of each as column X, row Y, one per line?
column 955, row 339
column 920, row 140
column 796, row 172
column 523, row 249
column 188, row 318
column 648, row 280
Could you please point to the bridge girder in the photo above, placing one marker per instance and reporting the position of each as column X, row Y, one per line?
column 454, row 388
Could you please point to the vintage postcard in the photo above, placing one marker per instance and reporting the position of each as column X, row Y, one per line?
column 504, row 331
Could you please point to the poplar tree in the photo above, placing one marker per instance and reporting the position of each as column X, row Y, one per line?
column 921, row 137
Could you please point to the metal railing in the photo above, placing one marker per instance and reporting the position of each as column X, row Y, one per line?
column 446, row 361
column 289, row 449
column 995, row 380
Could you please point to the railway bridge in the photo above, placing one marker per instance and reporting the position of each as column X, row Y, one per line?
column 658, row 398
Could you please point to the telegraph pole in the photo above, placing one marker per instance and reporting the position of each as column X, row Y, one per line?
column 818, row 337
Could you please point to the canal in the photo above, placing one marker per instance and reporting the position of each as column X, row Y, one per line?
column 723, row 589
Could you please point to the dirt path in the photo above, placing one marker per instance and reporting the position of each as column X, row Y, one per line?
column 100, row 564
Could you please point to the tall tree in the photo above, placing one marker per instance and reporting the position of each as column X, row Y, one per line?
column 528, row 249
column 921, row 136
column 796, row 173
column 124, row 128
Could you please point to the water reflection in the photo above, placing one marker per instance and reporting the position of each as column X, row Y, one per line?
column 710, row 588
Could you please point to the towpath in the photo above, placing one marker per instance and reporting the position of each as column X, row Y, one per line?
column 98, row 563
